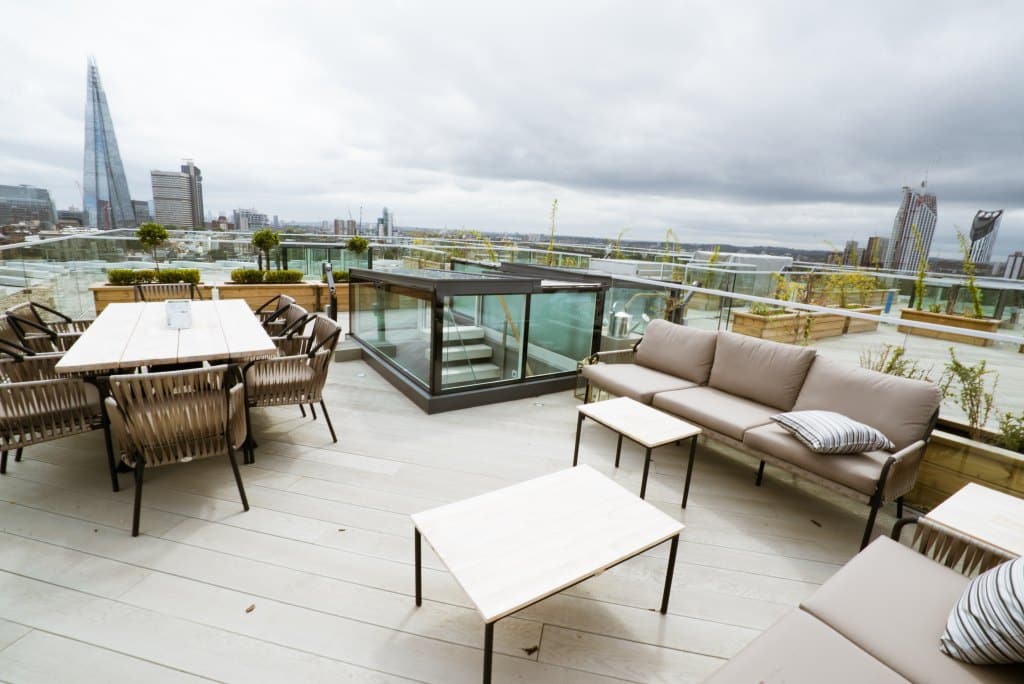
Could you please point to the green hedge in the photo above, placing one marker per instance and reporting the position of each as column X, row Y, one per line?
column 247, row 276
column 289, row 276
column 128, row 276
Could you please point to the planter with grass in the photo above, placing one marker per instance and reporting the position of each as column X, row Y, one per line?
column 989, row 325
column 857, row 325
column 768, row 323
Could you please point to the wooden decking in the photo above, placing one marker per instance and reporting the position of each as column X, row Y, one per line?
column 315, row 583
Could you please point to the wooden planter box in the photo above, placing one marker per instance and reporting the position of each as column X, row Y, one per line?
column 788, row 327
column 951, row 461
column 856, row 325
column 989, row 325
column 311, row 296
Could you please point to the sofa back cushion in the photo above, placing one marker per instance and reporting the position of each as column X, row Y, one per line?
column 770, row 373
column 900, row 408
column 678, row 350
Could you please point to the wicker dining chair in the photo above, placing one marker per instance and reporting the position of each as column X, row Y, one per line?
column 292, row 380
column 33, row 317
column 38, row 406
column 289, row 329
column 271, row 310
column 158, row 292
column 175, row 417
column 25, row 337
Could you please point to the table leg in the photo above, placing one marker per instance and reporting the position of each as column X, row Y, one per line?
column 419, row 571
column 103, row 388
column 689, row 469
column 618, row 451
column 576, row 450
column 669, row 574
column 647, row 467
column 488, row 650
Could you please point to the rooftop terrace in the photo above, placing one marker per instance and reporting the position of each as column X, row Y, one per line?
column 315, row 583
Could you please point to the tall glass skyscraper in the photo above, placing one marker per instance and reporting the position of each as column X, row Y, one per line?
column 105, row 198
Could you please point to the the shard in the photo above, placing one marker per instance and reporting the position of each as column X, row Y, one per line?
column 105, row 198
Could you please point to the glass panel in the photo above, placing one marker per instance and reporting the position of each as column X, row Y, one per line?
column 395, row 321
column 561, row 331
column 482, row 339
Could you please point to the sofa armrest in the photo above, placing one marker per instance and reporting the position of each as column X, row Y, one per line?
column 613, row 356
column 903, row 473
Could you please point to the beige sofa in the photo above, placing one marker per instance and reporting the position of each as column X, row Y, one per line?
column 878, row 619
column 730, row 385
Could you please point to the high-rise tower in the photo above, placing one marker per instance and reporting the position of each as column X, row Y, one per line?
column 984, row 230
column 105, row 199
column 913, row 229
column 178, row 197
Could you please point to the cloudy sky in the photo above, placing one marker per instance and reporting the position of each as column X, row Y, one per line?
column 752, row 123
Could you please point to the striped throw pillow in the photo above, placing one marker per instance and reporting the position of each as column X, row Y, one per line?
column 828, row 432
column 986, row 626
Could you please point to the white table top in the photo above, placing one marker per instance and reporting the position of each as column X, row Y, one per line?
column 641, row 423
column 986, row 514
column 514, row 546
column 132, row 335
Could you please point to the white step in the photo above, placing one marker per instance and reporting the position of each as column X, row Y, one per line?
column 459, row 352
column 459, row 333
column 473, row 371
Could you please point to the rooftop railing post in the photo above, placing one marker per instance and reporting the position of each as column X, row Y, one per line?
column 332, row 303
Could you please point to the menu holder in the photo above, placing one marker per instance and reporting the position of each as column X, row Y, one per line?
column 179, row 313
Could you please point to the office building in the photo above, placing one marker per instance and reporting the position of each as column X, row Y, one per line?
column 1015, row 266
column 386, row 224
column 874, row 252
column 141, row 209
column 72, row 216
column 913, row 229
column 851, row 253
column 984, row 229
column 105, row 200
column 277, row 222
column 178, row 197
column 26, row 204
column 250, row 219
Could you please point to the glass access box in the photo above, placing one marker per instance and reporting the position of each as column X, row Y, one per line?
column 452, row 339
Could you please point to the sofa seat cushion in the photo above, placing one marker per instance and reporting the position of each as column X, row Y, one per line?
column 901, row 409
column 634, row 381
column 856, row 471
column 893, row 602
column 678, row 350
column 717, row 410
column 765, row 372
column 800, row 649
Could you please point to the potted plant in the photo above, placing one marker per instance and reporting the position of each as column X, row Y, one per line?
column 151, row 236
column 973, row 319
column 265, row 240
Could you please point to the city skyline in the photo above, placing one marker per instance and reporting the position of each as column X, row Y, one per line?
column 771, row 126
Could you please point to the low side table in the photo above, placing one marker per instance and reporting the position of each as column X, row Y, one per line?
column 519, row 545
column 648, row 427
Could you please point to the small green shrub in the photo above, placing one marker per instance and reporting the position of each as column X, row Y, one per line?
column 1011, row 431
column 178, row 275
column 759, row 309
column 145, row 275
column 283, row 276
column 247, row 276
column 121, row 276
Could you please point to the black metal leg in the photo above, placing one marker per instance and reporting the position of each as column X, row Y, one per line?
column 419, row 571
column 140, row 465
column 618, row 451
column 576, row 450
column 238, row 478
column 899, row 507
column 303, row 410
column 689, row 469
column 3, row 462
column 647, row 467
column 248, row 455
column 871, row 524
column 488, row 650
column 103, row 387
column 670, row 572
column 760, row 474
column 330, row 427
column 312, row 410
column 17, row 454
column 897, row 529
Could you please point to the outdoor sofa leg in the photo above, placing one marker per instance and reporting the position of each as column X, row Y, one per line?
column 312, row 410
column 899, row 507
column 760, row 474
column 330, row 427
column 871, row 523
column 238, row 478
column 303, row 410
column 140, row 465
column 17, row 454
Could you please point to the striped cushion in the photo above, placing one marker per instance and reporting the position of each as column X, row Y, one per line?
column 986, row 626
column 827, row 432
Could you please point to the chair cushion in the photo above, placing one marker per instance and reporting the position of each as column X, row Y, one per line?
column 715, row 409
column 856, row 471
column 893, row 602
column 986, row 626
column 765, row 372
column 678, row 350
column 827, row 432
column 900, row 408
column 631, row 380
column 800, row 649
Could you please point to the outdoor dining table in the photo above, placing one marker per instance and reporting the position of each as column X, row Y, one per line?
column 125, row 337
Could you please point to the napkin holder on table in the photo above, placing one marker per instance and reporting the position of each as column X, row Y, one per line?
column 179, row 313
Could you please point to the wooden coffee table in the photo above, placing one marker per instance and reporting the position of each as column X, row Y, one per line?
column 519, row 545
column 648, row 427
